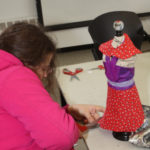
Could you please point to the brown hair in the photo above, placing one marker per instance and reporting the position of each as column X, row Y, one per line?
column 28, row 43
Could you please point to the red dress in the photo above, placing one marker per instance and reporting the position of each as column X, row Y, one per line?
column 124, row 111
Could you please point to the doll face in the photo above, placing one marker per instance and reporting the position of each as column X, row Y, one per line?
column 44, row 68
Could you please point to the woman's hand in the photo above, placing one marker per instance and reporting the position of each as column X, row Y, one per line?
column 85, row 113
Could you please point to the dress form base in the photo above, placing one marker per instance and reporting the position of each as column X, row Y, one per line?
column 122, row 136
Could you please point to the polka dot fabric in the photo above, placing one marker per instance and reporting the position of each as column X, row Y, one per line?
column 124, row 112
column 124, row 51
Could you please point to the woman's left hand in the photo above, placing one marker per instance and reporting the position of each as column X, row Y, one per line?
column 86, row 113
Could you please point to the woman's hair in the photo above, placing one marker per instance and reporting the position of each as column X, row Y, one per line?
column 28, row 43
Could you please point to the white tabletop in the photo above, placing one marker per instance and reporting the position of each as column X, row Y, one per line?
column 92, row 89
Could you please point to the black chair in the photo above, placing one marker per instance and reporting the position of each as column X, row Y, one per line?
column 101, row 29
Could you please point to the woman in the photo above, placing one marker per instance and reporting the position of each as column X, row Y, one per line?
column 30, row 119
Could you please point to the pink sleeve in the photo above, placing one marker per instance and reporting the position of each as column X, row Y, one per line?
column 66, row 107
column 49, row 124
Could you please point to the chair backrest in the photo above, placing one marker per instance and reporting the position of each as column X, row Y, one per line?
column 101, row 28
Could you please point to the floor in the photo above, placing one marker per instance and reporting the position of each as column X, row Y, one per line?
column 80, row 56
column 74, row 57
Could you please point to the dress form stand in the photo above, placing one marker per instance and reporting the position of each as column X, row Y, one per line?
column 119, row 37
column 124, row 113
column 117, row 41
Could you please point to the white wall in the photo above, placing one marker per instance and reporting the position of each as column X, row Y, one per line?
column 11, row 10
column 71, row 37
column 81, row 36
column 66, row 11
column 17, row 9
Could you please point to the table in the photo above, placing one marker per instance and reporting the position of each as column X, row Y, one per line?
column 92, row 89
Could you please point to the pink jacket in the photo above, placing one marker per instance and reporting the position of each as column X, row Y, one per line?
column 29, row 118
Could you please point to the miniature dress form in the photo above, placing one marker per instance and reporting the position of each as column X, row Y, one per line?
column 124, row 113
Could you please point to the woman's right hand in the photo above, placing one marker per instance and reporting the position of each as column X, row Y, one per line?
column 86, row 113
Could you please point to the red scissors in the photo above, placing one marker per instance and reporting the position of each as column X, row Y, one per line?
column 101, row 67
column 72, row 74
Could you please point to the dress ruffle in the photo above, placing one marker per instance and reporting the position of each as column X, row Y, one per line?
column 124, row 51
